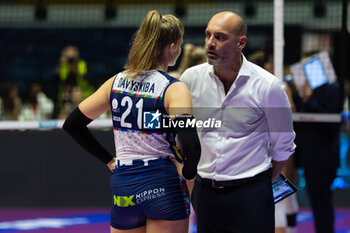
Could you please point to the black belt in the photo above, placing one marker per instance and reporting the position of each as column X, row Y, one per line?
column 230, row 183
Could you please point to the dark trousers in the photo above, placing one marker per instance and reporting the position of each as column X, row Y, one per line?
column 318, row 182
column 244, row 208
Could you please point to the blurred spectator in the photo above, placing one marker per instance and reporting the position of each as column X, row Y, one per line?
column 10, row 102
column 262, row 59
column 319, row 153
column 38, row 107
column 76, row 96
column 192, row 55
column 71, row 71
column 318, row 146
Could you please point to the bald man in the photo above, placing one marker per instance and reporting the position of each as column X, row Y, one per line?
column 232, row 190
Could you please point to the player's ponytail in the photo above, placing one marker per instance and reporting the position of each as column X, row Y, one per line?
column 155, row 32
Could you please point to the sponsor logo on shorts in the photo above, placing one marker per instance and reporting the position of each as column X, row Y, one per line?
column 149, row 195
column 123, row 201
column 126, row 201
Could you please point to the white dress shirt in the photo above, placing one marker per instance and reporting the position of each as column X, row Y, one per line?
column 256, row 121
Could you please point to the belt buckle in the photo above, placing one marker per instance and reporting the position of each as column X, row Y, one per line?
column 215, row 185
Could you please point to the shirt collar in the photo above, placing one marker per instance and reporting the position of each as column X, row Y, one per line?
column 211, row 70
column 244, row 70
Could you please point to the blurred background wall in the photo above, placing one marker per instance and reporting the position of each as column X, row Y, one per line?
column 34, row 32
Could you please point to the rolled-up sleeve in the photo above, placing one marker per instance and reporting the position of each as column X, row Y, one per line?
column 278, row 114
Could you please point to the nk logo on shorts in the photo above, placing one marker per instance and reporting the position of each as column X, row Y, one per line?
column 151, row 120
column 123, row 201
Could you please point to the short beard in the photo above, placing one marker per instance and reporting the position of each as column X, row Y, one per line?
column 212, row 62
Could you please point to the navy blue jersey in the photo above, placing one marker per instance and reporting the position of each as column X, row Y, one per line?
column 137, row 107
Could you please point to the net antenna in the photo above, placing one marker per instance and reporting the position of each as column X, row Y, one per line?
column 278, row 38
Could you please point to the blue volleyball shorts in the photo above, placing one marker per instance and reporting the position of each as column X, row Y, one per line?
column 153, row 191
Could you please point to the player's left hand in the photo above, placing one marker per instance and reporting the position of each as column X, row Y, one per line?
column 177, row 165
column 111, row 164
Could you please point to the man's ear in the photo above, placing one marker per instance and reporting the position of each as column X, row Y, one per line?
column 242, row 42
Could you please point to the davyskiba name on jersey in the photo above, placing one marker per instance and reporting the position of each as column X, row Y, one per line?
column 136, row 86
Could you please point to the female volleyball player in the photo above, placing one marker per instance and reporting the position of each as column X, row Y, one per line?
column 148, row 193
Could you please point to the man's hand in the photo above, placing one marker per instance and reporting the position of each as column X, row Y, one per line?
column 277, row 167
